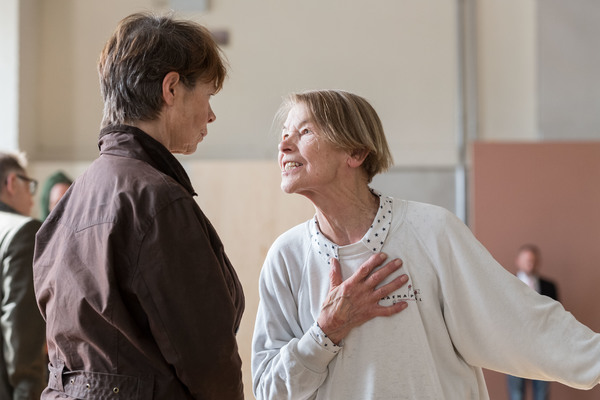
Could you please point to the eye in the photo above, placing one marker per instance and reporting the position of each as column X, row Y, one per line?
column 305, row 131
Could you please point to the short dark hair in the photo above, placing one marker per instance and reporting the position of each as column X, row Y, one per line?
column 10, row 162
column 141, row 52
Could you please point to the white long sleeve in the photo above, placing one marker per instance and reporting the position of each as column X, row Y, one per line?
column 465, row 313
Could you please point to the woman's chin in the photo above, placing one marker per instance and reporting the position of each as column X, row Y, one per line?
column 287, row 188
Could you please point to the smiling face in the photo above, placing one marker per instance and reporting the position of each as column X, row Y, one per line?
column 189, row 118
column 309, row 163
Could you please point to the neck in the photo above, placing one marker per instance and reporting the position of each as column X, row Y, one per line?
column 154, row 129
column 346, row 218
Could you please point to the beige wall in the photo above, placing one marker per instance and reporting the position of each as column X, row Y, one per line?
column 256, row 212
column 507, row 69
column 402, row 55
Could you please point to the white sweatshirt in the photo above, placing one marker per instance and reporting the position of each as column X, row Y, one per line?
column 466, row 312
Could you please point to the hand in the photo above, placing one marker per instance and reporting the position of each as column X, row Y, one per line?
column 355, row 301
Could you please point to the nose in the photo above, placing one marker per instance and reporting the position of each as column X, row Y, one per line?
column 211, row 115
column 285, row 144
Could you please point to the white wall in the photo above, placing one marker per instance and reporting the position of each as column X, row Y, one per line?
column 507, row 70
column 9, row 71
column 400, row 54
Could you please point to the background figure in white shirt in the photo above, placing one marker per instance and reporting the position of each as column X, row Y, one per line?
column 528, row 263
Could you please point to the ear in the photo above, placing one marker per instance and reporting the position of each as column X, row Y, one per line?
column 11, row 183
column 169, row 86
column 357, row 157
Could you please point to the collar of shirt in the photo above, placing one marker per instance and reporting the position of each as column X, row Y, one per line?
column 373, row 239
column 6, row 208
column 529, row 280
column 129, row 141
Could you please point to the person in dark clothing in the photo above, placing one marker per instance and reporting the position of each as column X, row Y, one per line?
column 22, row 330
column 528, row 264
column 140, row 299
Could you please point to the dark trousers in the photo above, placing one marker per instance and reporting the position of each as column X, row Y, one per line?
column 516, row 388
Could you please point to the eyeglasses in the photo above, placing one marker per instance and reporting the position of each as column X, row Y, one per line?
column 33, row 184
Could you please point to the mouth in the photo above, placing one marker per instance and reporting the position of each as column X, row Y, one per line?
column 290, row 165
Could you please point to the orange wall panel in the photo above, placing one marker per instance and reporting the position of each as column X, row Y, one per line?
column 548, row 194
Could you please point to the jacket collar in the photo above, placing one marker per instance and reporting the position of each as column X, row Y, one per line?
column 129, row 141
column 6, row 208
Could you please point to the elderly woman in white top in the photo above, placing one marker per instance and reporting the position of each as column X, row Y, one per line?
column 332, row 325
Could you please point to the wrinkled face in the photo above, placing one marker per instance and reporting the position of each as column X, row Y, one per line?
column 527, row 262
column 309, row 163
column 189, row 120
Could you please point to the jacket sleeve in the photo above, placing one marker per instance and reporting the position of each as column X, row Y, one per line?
column 287, row 363
column 497, row 322
column 23, row 328
column 192, row 304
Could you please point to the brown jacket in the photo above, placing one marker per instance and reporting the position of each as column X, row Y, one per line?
column 139, row 297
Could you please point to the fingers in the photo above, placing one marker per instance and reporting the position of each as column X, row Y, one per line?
column 335, row 274
column 386, row 311
column 378, row 276
column 390, row 287
column 365, row 270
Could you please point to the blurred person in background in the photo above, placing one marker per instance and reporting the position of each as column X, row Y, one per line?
column 22, row 329
column 528, row 262
column 140, row 299
column 52, row 191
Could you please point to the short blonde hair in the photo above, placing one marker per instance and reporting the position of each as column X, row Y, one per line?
column 348, row 121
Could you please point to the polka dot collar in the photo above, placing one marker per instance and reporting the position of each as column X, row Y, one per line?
column 373, row 239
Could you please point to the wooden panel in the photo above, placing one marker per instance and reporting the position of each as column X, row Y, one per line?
column 244, row 202
column 547, row 194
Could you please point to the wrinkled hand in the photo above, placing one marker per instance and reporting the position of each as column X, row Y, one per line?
column 353, row 302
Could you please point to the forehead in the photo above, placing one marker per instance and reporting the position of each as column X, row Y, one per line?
column 526, row 253
column 298, row 116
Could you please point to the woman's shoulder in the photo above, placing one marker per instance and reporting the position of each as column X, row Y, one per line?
column 291, row 244
column 119, row 190
column 293, row 236
column 15, row 225
column 132, row 176
column 423, row 215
